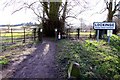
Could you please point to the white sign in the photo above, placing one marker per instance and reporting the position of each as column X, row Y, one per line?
column 109, row 32
column 104, row 25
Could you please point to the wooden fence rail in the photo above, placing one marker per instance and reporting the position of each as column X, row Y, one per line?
column 13, row 36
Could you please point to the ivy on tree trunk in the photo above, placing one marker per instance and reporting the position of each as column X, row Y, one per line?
column 53, row 19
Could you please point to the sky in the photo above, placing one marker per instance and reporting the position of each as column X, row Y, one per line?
column 89, row 16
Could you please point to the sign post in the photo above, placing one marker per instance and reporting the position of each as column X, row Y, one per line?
column 97, row 35
column 109, row 26
column 109, row 34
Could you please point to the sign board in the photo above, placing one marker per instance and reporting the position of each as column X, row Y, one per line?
column 104, row 25
column 109, row 32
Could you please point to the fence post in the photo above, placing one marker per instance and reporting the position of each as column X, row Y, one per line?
column 11, row 35
column 24, row 36
column 67, row 33
column 56, row 34
column 41, row 34
column 1, row 41
column 90, row 36
column 38, row 32
column 34, row 33
column 78, row 30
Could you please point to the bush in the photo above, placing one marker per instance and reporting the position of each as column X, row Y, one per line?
column 115, row 42
column 3, row 61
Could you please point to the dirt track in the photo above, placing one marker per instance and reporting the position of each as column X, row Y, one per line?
column 39, row 64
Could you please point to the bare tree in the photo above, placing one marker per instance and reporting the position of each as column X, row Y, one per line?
column 46, row 12
column 111, row 11
column 112, row 6
column 50, row 14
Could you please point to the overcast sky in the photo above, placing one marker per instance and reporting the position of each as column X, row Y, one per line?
column 89, row 16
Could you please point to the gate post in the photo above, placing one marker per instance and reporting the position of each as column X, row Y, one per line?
column 34, row 33
column 78, row 31
column 55, row 34
column 41, row 34
column 11, row 35
column 24, row 36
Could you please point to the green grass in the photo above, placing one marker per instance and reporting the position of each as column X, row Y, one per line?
column 82, row 33
column 16, row 34
column 16, row 45
column 3, row 60
column 97, row 59
column 6, row 37
column 115, row 42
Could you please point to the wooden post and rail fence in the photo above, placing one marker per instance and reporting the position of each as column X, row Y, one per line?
column 15, row 35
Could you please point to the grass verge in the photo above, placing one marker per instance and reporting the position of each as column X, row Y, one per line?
column 96, row 59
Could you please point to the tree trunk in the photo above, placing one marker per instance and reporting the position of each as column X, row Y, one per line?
column 110, row 16
column 52, row 22
column 53, row 19
column 111, row 12
column 49, row 27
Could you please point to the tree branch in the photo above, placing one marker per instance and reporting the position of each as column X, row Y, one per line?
column 115, row 9
column 18, row 10
column 107, row 5
column 61, row 10
column 71, row 17
column 102, row 10
column 25, row 5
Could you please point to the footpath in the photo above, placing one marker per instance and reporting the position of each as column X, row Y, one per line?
column 41, row 63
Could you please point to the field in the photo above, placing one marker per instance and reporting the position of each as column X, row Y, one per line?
column 12, row 40
column 15, row 34
column 82, row 33
column 14, row 37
